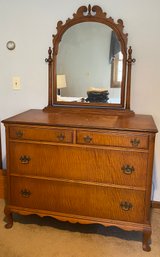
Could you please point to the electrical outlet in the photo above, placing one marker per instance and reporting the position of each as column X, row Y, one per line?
column 16, row 83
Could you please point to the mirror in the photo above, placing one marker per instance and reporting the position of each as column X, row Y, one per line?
column 90, row 65
column 86, row 56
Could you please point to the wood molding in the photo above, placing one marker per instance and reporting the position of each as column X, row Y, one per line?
column 2, row 184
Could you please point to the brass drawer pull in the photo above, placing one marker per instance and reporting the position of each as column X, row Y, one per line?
column 87, row 139
column 127, row 169
column 126, row 206
column 19, row 134
column 25, row 193
column 25, row 159
column 135, row 142
column 61, row 137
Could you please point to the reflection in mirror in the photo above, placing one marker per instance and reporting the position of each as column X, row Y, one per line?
column 61, row 83
column 116, row 60
column 90, row 60
column 116, row 70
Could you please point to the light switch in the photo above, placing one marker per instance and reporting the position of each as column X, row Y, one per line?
column 16, row 83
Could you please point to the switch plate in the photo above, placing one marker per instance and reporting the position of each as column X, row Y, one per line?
column 16, row 83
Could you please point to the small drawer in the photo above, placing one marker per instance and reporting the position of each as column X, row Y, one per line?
column 78, row 199
column 132, row 140
column 41, row 134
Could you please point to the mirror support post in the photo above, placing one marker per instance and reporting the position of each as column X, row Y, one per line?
column 129, row 61
column 49, row 60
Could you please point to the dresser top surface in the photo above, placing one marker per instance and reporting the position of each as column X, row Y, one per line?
column 79, row 119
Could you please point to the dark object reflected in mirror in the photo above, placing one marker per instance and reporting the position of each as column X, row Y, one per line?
column 100, row 96
column 90, row 50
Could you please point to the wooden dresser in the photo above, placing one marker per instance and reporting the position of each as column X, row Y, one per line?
column 78, row 167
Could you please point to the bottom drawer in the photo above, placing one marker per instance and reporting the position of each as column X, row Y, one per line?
column 79, row 199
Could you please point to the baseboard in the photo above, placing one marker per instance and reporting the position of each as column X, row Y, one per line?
column 2, row 184
column 155, row 204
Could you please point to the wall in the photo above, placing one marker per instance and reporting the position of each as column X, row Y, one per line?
column 31, row 23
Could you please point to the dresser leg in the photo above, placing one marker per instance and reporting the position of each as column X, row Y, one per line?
column 9, row 217
column 147, row 240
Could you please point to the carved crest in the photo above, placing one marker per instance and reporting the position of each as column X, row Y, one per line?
column 90, row 13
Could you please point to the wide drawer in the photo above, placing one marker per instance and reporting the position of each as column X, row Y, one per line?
column 78, row 199
column 132, row 140
column 88, row 164
column 41, row 134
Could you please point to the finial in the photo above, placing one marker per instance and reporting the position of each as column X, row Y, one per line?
column 49, row 59
column 89, row 9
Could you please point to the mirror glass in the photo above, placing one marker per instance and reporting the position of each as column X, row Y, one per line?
column 89, row 65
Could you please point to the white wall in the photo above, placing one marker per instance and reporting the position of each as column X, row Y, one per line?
column 31, row 23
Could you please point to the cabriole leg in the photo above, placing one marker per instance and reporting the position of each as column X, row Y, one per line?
column 9, row 217
column 147, row 240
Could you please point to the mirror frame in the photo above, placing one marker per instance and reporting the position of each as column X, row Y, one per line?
column 90, row 14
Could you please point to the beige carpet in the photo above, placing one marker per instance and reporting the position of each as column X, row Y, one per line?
column 32, row 236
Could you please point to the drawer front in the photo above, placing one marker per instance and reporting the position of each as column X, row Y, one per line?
column 41, row 134
column 87, row 164
column 78, row 199
column 132, row 140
